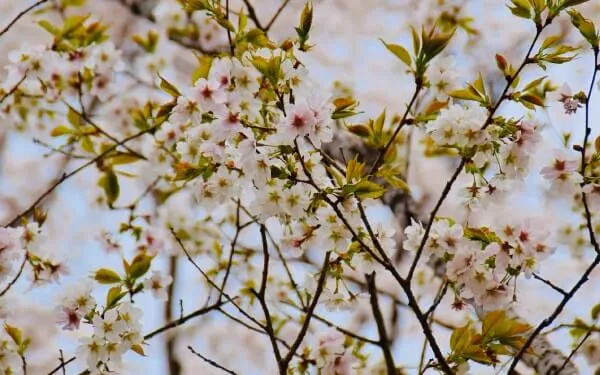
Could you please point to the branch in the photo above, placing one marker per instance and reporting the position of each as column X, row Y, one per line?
column 384, row 341
column 575, row 349
column 584, row 278
column 20, row 15
column 260, row 295
column 283, row 365
column 14, row 280
column 550, row 284
column 211, row 362
column 84, row 116
column 252, row 15
column 185, row 318
column 174, row 365
column 13, row 89
column 67, row 176
column 276, row 15
column 403, row 121
column 211, row 282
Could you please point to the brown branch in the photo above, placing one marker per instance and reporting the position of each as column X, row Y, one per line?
column 550, row 284
column 575, row 349
column 173, row 363
column 252, row 15
column 384, row 340
column 67, row 176
column 584, row 278
column 283, row 365
column 211, row 282
column 403, row 121
column 20, row 15
column 16, row 278
column 13, row 89
column 260, row 295
column 210, row 361
column 184, row 319
column 84, row 116
column 276, row 15
column 527, row 60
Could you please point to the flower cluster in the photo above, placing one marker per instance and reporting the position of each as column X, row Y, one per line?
column 115, row 332
column 460, row 126
column 482, row 263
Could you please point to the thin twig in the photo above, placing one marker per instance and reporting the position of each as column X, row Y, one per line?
column 252, row 15
column 211, row 362
column 13, row 89
column 550, row 284
column 384, row 340
column 260, row 295
column 283, row 365
column 276, row 15
column 17, row 276
column 67, row 176
column 575, row 349
column 20, row 15
column 173, row 363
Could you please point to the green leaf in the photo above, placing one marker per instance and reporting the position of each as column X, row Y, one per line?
column 140, row 265
column 74, row 118
column 532, row 99
column 123, row 158
column 534, row 83
column 399, row 51
column 113, row 296
column 46, row 25
column 110, row 183
column 595, row 313
column 306, row 18
column 138, row 349
column 15, row 334
column 585, row 26
column 359, row 130
column 195, row 5
column 86, row 144
column 106, row 276
column 397, row 182
column 60, row 130
column 520, row 8
column 203, row 68
column 366, row 189
column 168, row 87
column 242, row 20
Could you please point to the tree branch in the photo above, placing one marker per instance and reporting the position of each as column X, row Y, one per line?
column 283, row 365
column 20, row 15
column 384, row 341
column 211, row 362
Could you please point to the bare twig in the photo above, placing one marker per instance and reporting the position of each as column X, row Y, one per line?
column 211, row 362
column 283, row 365
column 17, row 276
column 276, row 15
column 67, row 176
column 384, row 340
column 550, row 284
column 20, row 15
